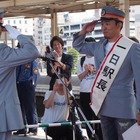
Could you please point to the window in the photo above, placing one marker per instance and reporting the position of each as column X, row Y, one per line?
column 8, row 21
column 72, row 33
column 75, row 27
column 66, row 34
column 39, row 32
column 98, row 32
column 14, row 21
column 66, row 28
column 98, row 24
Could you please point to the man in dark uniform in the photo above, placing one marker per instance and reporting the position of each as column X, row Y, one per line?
column 27, row 77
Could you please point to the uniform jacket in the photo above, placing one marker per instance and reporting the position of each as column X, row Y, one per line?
column 28, row 72
column 67, row 59
column 10, row 58
column 120, row 101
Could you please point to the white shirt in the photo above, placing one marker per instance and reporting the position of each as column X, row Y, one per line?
column 87, row 81
column 58, row 112
column 108, row 46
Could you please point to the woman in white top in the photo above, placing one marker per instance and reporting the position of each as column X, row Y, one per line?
column 56, row 104
column 86, row 74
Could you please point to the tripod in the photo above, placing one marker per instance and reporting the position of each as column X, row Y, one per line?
column 73, row 105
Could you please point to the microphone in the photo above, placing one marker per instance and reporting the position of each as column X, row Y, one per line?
column 45, row 58
column 55, row 54
column 50, row 57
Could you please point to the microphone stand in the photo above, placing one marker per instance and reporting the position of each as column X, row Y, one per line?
column 74, row 103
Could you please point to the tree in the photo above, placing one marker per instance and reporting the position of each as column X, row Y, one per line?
column 75, row 55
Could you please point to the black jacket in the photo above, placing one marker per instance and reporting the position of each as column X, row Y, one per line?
column 67, row 59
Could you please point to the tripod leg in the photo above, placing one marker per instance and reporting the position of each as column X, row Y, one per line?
column 94, row 137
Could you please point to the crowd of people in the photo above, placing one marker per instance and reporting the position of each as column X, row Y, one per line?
column 106, row 73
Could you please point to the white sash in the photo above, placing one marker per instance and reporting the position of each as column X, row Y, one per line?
column 108, row 71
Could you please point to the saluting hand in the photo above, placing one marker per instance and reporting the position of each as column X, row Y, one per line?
column 88, row 27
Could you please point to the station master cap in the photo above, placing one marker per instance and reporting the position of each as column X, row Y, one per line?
column 109, row 12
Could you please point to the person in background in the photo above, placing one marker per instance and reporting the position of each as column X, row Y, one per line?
column 47, row 50
column 117, row 62
column 10, row 58
column 63, row 65
column 86, row 74
column 64, row 62
column 27, row 78
column 47, row 54
column 57, row 103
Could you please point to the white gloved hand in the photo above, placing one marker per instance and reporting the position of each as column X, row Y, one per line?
column 13, row 33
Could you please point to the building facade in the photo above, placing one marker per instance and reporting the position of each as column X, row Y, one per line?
column 68, row 24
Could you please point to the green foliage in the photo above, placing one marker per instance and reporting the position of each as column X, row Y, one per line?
column 75, row 55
